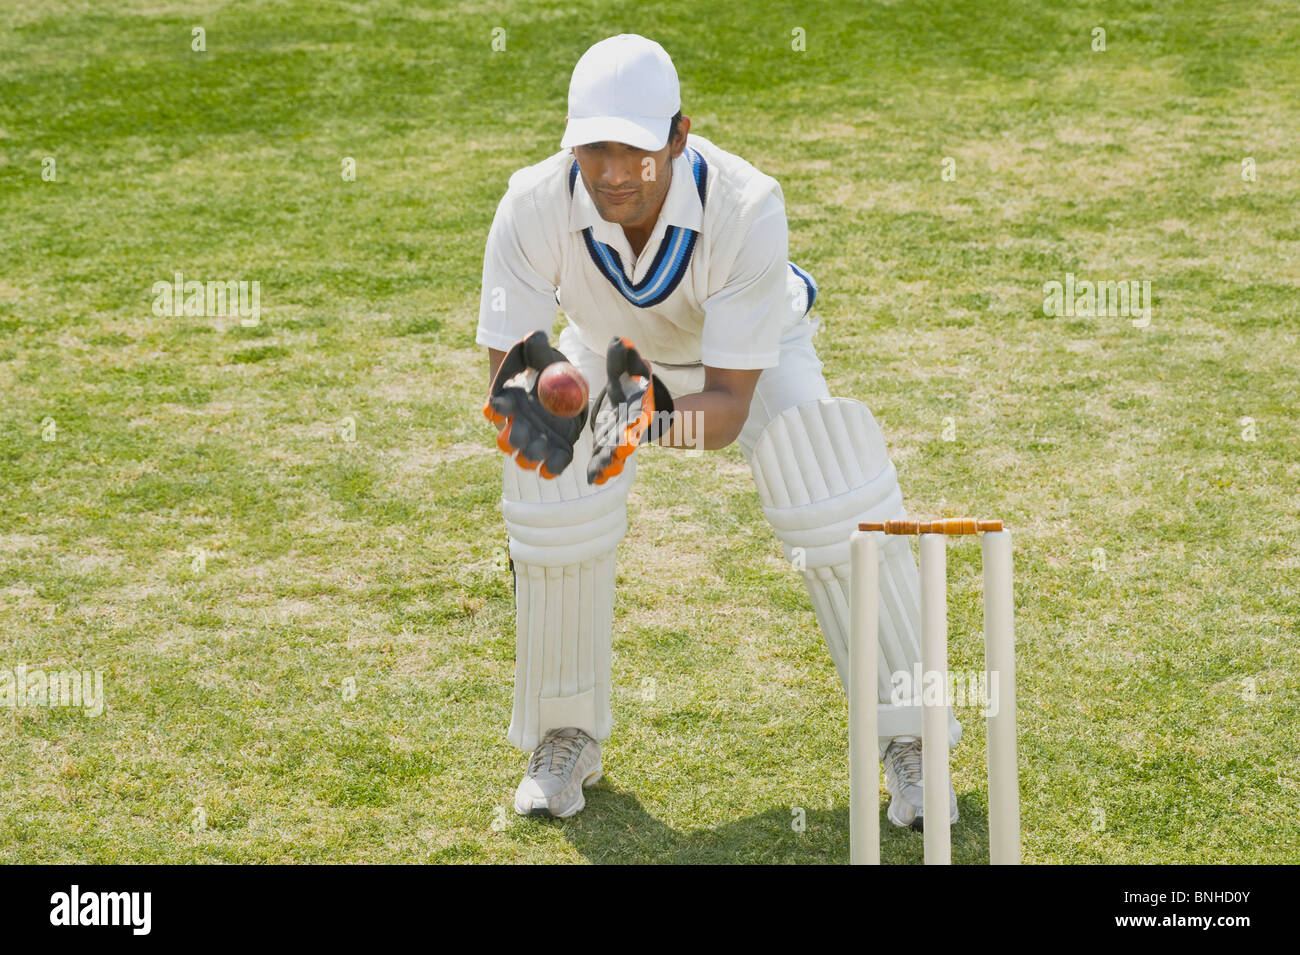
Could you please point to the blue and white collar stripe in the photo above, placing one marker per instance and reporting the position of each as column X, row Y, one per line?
column 671, row 261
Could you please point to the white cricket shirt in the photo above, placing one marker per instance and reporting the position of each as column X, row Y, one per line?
column 713, row 285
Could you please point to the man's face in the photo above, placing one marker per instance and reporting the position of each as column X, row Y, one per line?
column 627, row 184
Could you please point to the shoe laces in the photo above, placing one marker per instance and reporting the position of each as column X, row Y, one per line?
column 557, row 752
column 905, row 761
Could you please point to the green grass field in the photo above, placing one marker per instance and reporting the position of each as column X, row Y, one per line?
column 183, row 505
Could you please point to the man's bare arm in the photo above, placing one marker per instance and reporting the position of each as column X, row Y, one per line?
column 495, row 357
column 718, row 412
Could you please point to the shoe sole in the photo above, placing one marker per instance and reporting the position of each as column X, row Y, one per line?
column 543, row 812
column 917, row 824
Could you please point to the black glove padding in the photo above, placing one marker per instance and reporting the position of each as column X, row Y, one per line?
column 540, row 438
column 628, row 410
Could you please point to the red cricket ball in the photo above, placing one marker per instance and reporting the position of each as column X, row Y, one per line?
column 562, row 390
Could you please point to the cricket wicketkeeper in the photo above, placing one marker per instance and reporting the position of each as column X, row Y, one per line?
column 669, row 258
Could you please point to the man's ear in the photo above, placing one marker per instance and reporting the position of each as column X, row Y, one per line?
column 679, row 142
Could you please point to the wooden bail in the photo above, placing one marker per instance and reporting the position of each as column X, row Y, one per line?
column 949, row 525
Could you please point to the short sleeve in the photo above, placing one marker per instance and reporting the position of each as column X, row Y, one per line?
column 744, row 321
column 520, row 275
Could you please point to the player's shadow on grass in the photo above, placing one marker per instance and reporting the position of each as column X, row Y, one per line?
column 616, row 829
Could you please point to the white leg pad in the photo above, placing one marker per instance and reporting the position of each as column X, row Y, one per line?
column 820, row 468
column 564, row 536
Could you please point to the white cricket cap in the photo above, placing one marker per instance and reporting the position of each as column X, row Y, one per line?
column 623, row 90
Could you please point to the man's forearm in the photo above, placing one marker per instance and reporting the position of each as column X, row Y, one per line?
column 707, row 420
column 495, row 357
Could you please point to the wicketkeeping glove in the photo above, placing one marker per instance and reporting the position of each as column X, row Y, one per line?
column 544, row 442
column 623, row 417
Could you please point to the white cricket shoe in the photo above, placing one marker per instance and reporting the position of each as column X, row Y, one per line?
column 564, row 762
column 903, row 782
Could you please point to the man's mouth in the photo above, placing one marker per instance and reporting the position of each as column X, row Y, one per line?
column 619, row 196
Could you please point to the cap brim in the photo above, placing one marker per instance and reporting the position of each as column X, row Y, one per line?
column 640, row 132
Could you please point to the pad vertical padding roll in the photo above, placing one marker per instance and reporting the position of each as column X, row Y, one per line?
column 562, row 652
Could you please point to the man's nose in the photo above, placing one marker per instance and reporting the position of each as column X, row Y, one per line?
column 618, row 173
